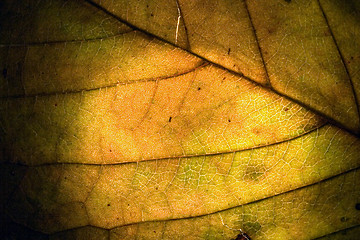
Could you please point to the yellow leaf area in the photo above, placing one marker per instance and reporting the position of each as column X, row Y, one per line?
column 297, row 48
column 124, row 120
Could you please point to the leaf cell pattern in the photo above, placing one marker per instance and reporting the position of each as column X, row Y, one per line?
column 180, row 119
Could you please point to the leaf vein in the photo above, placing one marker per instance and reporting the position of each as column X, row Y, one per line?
column 342, row 60
column 316, row 128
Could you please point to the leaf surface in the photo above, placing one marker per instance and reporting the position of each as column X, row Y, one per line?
column 189, row 120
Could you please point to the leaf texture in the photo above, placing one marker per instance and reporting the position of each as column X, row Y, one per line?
column 180, row 119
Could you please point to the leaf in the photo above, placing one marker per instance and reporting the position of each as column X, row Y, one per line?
column 182, row 119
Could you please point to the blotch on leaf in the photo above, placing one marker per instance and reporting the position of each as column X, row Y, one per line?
column 242, row 236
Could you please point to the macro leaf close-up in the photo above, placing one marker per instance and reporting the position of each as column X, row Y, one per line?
column 180, row 119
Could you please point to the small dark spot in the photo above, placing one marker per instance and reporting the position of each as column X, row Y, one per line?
column 55, row 104
column 156, row 188
column 4, row 72
column 117, row 218
column 256, row 131
column 128, row 204
column 170, row 119
column 351, row 57
column 152, row 14
column 154, row 231
column 110, row 150
column 357, row 206
column 108, row 205
column 234, row 65
column 344, row 219
column 229, row 50
column 42, row 73
column 65, row 177
column 327, row 33
column 147, row 6
column 288, row 1
column 286, row 109
column 224, row 78
column 199, row 88
column 242, row 236
column 229, row 120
